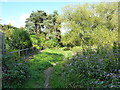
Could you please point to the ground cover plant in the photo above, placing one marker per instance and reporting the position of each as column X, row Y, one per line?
column 92, row 68
column 15, row 71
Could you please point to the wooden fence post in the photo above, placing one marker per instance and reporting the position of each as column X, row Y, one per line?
column 19, row 53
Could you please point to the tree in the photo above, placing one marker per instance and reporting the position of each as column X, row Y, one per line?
column 52, row 27
column 34, row 24
column 84, row 21
column 40, row 23
column 18, row 39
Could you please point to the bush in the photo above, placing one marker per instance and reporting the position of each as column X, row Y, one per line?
column 35, row 40
column 95, row 68
column 76, row 50
column 51, row 43
column 18, row 39
column 15, row 71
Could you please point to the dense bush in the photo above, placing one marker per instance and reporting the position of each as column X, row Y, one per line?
column 15, row 71
column 51, row 43
column 18, row 39
column 36, row 41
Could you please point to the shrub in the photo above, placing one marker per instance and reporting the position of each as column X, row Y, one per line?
column 76, row 49
column 15, row 71
column 18, row 39
column 51, row 43
column 95, row 68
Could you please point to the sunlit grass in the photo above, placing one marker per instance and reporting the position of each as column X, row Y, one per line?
column 41, row 62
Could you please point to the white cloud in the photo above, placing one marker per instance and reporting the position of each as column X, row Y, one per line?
column 19, row 22
column 12, row 22
column 22, row 19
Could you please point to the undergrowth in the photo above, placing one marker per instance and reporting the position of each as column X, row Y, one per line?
column 98, row 68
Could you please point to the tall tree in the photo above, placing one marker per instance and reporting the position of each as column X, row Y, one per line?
column 34, row 24
column 84, row 21
column 52, row 27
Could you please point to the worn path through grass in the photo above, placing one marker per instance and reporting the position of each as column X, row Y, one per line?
column 41, row 67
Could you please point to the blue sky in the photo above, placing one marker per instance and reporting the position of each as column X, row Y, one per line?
column 15, row 13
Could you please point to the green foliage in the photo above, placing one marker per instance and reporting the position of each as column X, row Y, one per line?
column 94, row 68
column 88, row 24
column 51, row 43
column 15, row 71
column 34, row 23
column 18, row 39
column 91, row 37
column 41, row 62
column 41, row 23
column 52, row 25
column 36, row 41
column 103, row 36
column 76, row 50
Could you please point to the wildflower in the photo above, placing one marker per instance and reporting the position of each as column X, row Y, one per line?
column 20, row 63
column 75, row 62
column 86, row 57
column 100, row 60
column 114, row 76
column 67, row 64
column 76, row 57
column 118, row 76
column 96, row 82
column 104, row 72
column 112, row 86
column 108, row 74
column 119, row 71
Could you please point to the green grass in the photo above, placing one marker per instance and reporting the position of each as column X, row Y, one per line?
column 56, row 79
column 41, row 62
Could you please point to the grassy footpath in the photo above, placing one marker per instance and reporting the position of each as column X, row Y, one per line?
column 41, row 62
